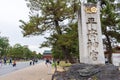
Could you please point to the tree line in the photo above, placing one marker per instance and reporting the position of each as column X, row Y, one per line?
column 16, row 51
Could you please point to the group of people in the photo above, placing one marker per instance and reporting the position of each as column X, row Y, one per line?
column 5, row 62
column 48, row 61
column 33, row 61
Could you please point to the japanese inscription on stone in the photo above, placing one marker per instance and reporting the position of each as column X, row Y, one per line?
column 92, row 43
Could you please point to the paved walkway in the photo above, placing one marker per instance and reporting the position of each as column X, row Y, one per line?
column 36, row 72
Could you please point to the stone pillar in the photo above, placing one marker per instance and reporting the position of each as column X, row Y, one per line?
column 90, row 36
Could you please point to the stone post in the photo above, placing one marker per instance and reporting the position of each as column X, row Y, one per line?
column 90, row 35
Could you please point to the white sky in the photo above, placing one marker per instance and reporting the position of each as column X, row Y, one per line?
column 11, row 11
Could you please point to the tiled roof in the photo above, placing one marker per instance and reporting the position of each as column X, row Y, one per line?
column 47, row 52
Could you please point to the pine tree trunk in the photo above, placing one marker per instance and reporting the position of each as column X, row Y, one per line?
column 109, row 49
column 64, row 49
column 67, row 54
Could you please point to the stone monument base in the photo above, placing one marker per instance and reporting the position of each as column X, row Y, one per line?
column 90, row 72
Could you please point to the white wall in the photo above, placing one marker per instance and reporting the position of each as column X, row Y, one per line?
column 116, row 59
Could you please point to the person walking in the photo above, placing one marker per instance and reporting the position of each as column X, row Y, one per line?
column 5, row 60
column 30, row 62
column 0, row 62
column 49, row 66
column 106, row 60
column 10, row 61
column 14, row 63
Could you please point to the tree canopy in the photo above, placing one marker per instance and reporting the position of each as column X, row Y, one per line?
column 4, row 44
column 17, row 51
column 52, row 16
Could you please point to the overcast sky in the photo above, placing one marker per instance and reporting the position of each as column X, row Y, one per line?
column 11, row 11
